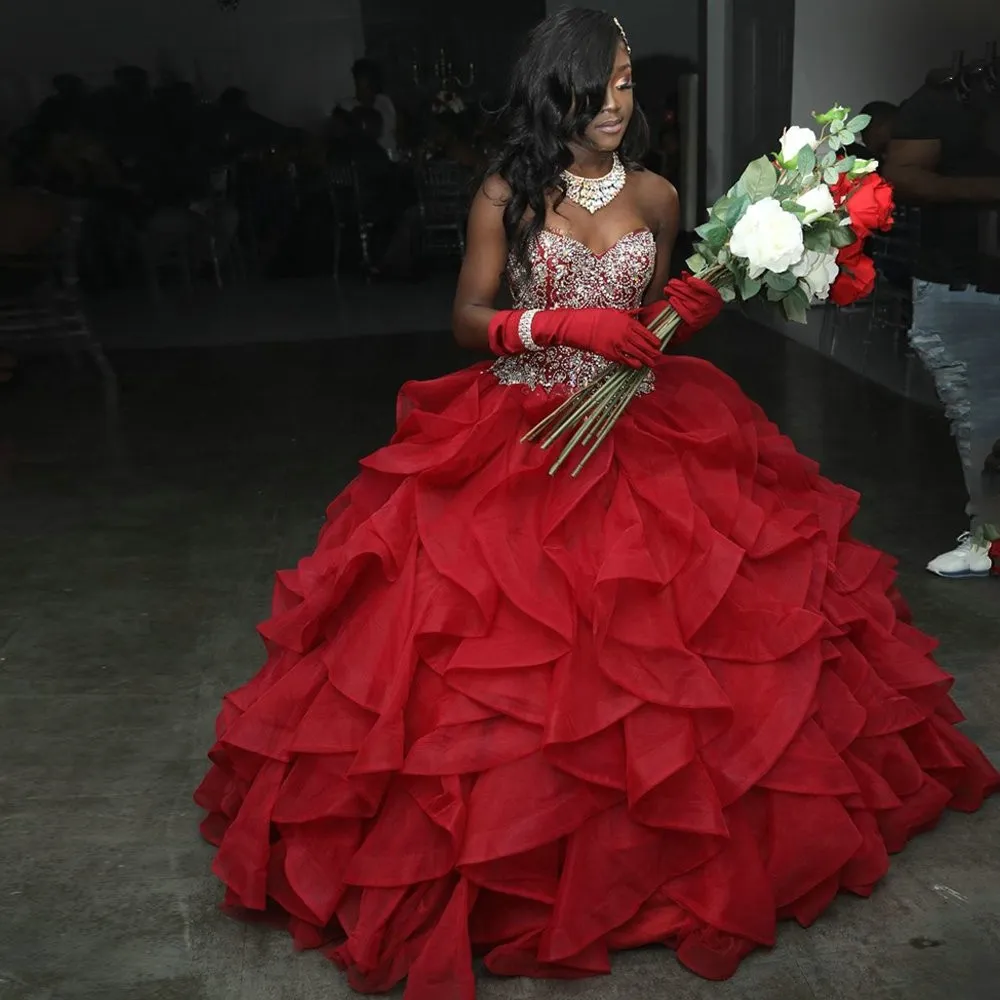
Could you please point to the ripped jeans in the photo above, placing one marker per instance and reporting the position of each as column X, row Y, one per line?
column 956, row 334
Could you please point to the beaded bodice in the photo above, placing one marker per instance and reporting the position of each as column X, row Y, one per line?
column 566, row 274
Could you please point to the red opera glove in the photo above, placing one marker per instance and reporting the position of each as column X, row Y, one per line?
column 613, row 334
column 694, row 300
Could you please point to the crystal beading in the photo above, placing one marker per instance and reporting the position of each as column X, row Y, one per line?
column 566, row 274
column 595, row 193
column 524, row 330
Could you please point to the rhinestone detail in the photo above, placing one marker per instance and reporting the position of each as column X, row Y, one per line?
column 595, row 193
column 524, row 330
column 566, row 274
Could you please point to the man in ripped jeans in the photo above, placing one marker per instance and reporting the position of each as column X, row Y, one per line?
column 945, row 158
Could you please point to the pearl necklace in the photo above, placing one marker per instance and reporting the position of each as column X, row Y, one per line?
column 594, row 193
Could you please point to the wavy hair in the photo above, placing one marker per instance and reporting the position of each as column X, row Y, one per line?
column 558, row 88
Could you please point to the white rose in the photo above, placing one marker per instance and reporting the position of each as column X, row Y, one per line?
column 817, row 202
column 768, row 237
column 819, row 270
column 794, row 140
column 862, row 167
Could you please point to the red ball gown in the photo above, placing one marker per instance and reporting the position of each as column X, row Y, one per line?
column 544, row 718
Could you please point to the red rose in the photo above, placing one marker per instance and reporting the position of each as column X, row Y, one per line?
column 870, row 205
column 842, row 188
column 852, row 252
column 855, row 281
column 995, row 556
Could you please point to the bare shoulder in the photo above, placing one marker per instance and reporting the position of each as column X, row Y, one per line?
column 657, row 197
column 657, row 200
column 495, row 190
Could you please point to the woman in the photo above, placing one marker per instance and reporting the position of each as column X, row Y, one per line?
column 545, row 718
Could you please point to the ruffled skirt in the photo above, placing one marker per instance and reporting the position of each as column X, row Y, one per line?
column 544, row 718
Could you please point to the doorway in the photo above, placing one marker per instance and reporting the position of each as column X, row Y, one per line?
column 763, row 45
column 747, row 50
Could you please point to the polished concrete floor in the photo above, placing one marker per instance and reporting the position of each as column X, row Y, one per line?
column 136, row 555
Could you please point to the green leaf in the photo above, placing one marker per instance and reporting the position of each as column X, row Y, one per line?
column 775, row 295
column 714, row 233
column 737, row 210
column 726, row 293
column 789, row 205
column 806, row 160
column 834, row 142
column 729, row 209
column 859, row 123
column 846, row 165
column 783, row 282
column 837, row 125
column 836, row 113
column 846, row 138
column 828, row 159
column 719, row 209
column 697, row 263
column 842, row 236
column 817, row 239
column 759, row 179
column 704, row 250
column 796, row 305
column 749, row 287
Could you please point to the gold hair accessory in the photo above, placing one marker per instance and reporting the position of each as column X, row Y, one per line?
column 621, row 31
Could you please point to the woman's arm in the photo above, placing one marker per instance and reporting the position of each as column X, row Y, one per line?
column 483, row 267
column 662, row 207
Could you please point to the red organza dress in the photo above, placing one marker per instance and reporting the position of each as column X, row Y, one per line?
column 546, row 718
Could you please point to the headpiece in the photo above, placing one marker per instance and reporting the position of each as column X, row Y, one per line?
column 621, row 31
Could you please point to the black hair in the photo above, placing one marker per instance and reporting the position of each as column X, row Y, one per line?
column 368, row 69
column 879, row 111
column 558, row 88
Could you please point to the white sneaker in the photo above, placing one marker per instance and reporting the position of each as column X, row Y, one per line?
column 971, row 557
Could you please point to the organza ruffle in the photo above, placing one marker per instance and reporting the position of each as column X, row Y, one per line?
column 546, row 718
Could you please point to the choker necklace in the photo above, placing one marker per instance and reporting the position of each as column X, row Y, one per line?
column 594, row 193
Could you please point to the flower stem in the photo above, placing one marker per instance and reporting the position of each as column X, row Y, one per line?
column 609, row 422
column 569, row 403
column 604, row 386
column 592, row 411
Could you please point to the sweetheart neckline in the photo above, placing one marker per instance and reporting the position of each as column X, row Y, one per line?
column 597, row 255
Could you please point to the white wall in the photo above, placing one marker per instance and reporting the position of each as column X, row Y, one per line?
column 654, row 27
column 293, row 56
column 871, row 50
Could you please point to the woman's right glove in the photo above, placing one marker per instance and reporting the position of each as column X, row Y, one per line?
column 613, row 334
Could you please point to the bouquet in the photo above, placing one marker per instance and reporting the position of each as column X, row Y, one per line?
column 792, row 229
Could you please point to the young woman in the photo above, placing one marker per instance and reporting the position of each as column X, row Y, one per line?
column 544, row 718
